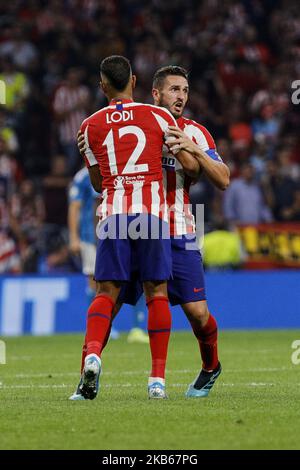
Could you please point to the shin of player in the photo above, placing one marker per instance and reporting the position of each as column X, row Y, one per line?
column 159, row 328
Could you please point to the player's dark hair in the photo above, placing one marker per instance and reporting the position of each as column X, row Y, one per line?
column 161, row 74
column 117, row 70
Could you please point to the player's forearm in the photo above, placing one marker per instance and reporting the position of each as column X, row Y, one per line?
column 189, row 164
column 95, row 178
column 73, row 221
column 217, row 172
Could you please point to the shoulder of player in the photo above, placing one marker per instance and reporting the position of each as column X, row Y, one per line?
column 191, row 122
column 204, row 132
column 95, row 115
column 160, row 110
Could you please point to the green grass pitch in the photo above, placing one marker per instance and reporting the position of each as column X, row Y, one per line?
column 254, row 404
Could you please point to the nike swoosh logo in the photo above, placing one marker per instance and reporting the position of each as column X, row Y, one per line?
column 198, row 290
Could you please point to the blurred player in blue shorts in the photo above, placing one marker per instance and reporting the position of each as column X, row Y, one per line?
column 82, row 226
column 82, row 223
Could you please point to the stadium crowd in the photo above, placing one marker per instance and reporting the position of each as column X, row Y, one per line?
column 242, row 57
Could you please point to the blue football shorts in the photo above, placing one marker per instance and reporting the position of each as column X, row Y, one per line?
column 187, row 282
column 133, row 248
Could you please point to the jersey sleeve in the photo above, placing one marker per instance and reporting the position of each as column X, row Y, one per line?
column 90, row 144
column 212, row 153
column 163, row 118
column 204, row 139
column 169, row 118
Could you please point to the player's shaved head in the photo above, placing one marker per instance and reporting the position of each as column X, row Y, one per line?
column 117, row 71
column 164, row 72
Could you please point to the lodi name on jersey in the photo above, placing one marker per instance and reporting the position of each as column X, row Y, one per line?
column 118, row 116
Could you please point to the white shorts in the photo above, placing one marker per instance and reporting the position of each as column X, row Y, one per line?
column 88, row 258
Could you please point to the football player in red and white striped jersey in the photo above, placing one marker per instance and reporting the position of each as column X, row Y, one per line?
column 187, row 288
column 123, row 147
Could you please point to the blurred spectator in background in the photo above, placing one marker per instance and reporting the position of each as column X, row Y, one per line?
column 27, row 215
column 9, row 257
column 7, row 133
column 10, row 171
column 287, row 167
column 244, row 202
column 292, row 213
column 258, row 158
column 53, row 252
column 203, row 192
column 280, row 190
column 27, row 211
column 57, row 258
column 71, row 104
column 4, row 200
column 222, row 249
column 16, row 84
column 267, row 125
column 55, row 192
column 239, row 129
column 23, row 53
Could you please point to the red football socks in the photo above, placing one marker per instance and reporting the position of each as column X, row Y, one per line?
column 159, row 328
column 208, row 342
column 84, row 348
column 98, row 323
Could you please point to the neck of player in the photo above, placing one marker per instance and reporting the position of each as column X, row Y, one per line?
column 120, row 96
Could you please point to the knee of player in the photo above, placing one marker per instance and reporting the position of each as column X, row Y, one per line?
column 109, row 288
column 198, row 311
column 155, row 289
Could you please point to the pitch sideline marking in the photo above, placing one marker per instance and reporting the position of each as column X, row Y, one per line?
column 46, row 386
column 145, row 372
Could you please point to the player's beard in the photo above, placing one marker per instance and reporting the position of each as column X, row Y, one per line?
column 171, row 108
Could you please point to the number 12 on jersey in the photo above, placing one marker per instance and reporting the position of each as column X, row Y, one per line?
column 131, row 165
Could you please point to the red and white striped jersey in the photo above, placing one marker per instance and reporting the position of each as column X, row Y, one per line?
column 126, row 140
column 177, row 183
column 70, row 100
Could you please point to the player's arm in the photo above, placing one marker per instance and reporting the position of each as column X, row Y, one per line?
column 215, row 170
column 81, row 143
column 73, row 226
column 94, row 170
column 96, row 178
column 190, row 164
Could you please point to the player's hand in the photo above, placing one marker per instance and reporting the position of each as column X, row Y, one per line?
column 75, row 246
column 177, row 140
column 81, row 143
